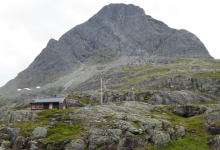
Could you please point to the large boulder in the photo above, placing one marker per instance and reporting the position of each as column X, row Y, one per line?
column 212, row 117
column 77, row 144
column 158, row 137
column 39, row 132
column 98, row 137
column 176, row 132
column 71, row 103
column 130, row 143
column 126, row 126
column 149, row 124
column 188, row 110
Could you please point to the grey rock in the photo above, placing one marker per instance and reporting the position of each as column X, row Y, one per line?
column 39, row 132
column 128, row 134
column 188, row 110
column 98, row 137
column 215, row 142
column 149, row 124
column 212, row 117
column 77, row 144
column 186, row 82
column 13, row 132
column 176, row 132
column 165, row 124
column 17, row 116
column 19, row 143
column 74, row 103
column 32, row 145
column 130, row 143
column 114, row 132
column 158, row 137
column 167, row 97
column 215, row 130
column 6, row 144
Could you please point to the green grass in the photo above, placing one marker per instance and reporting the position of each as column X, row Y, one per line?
column 46, row 114
column 59, row 132
column 27, row 128
column 190, row 142
column 196, row 137
column 84, row 100
column 62, row 132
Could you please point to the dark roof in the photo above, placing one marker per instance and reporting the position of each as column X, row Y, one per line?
column 49, row 100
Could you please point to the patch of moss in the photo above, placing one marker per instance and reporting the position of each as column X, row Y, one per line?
column 62, row 132
column 43, row 115
column 84, row 100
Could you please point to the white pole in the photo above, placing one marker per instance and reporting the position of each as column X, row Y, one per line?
column 101, row 91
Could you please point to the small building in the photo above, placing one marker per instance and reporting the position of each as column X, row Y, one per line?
column 49, row 103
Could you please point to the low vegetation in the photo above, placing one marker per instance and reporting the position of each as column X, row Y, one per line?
column 57, row 131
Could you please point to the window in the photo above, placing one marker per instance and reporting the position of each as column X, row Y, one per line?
column 34, row 106
column 40, row 106
column 37, row 106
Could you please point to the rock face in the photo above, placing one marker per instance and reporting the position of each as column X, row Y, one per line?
column 13, row 132
column 167, row 97
column 17, row 116
column 74, row 103
column 188, row 110
column 117, row 30
column 185, row 82
column 39, row 132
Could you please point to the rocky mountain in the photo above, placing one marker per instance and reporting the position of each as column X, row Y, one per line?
column 115, row 32
column 163, row 89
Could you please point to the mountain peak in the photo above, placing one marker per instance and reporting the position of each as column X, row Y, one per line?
column 116, row 31
column 127, row 10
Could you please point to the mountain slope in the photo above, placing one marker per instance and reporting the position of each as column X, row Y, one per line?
column 116, row 31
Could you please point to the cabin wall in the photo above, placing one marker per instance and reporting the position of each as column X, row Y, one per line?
column 56, row 106
column 62, row 104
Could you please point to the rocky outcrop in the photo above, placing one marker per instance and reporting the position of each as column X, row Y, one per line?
column 77, row 144
column 8, row 116
column 123, row 125
column 188, row 110
column 74, row 103
column 167, row 97
column 13, row 132
column 186, row 82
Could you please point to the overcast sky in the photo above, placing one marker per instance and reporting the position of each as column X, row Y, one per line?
column 27, row 25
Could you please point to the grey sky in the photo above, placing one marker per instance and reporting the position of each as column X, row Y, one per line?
column 27, row 25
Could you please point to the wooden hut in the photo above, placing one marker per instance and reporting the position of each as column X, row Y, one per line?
column 49, row 103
